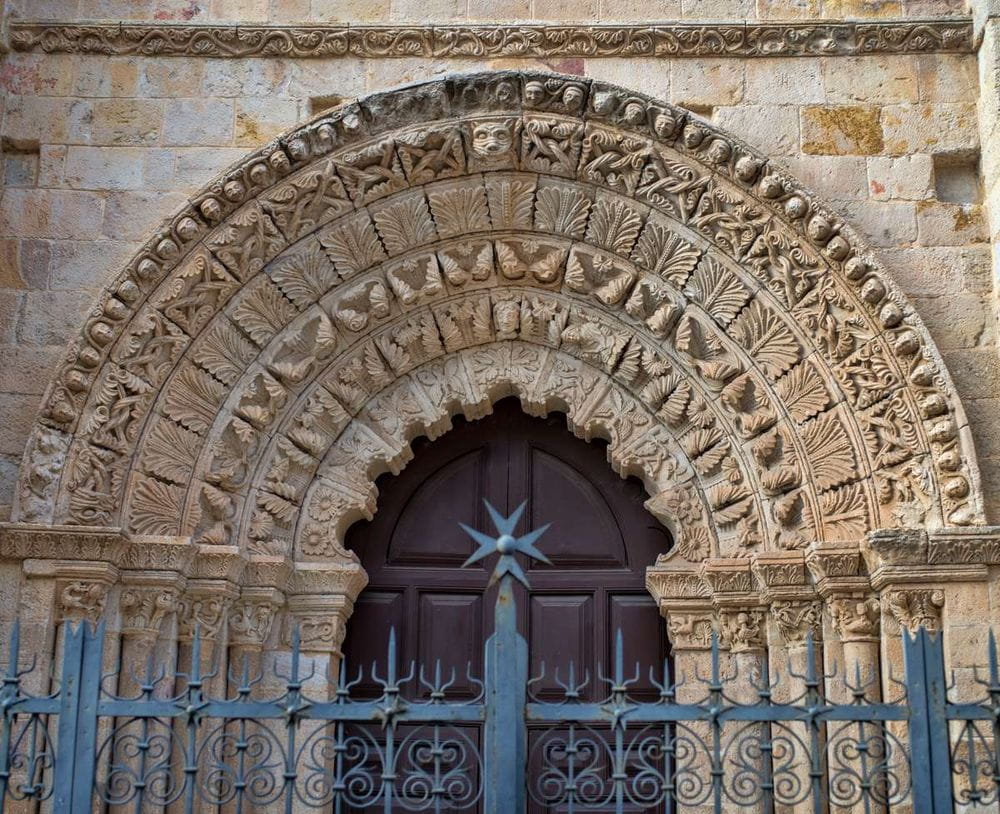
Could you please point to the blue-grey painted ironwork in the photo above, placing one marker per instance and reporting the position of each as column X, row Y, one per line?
column 288, row 739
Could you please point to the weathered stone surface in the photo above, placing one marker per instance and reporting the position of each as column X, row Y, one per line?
column 842, row 130
column 224, row 331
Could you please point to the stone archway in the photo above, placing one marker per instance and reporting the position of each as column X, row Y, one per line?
column 428, row 250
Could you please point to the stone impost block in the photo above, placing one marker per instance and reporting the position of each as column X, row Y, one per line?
column 267, row 570
column 837, row 568
column 22, row 541
column 731, row 582
column 223, row 562
column 346, row 578
column 782, row 575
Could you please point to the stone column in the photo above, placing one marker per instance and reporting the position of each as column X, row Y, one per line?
column 250, row 621
column 146, row 600
column 795, row 612
column 742, row 617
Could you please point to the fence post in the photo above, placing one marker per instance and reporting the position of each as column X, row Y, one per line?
column 505, row 732
column 930, row 741
column 76, row 745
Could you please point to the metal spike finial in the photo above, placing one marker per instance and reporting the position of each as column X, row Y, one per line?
column 506, row 544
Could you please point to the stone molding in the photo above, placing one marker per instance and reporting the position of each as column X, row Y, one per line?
column 668, row 40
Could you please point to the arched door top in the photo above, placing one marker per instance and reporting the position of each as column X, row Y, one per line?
column 428, row 250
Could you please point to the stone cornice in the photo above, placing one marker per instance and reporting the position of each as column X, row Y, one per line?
column 672, row 39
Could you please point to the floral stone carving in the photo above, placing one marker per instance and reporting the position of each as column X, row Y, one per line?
column 430, row 250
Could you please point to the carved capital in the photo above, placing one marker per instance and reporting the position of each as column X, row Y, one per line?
column 855, row 618
column 81, row 587
column 914, row 608
column 204, row 607
column 690, row 629
column 251, row 616
column 82, row 599
column 146, row 600
column 321, row 621
column 796, row 620
column 742, row 631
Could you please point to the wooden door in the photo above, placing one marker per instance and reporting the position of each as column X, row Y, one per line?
column 600, row 542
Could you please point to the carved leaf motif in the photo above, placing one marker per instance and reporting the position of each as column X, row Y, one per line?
column 352, row 244
column 663, row 252
column 405, row 224
column 767, row 339
column 614, row 225
column 304, row 276
column 561, row 210
column 510, row 203
column 674, row 409
column 263, row 312
column 224, row 352
column 280, row 508
column 459, row 210
column 718, row 290
column 156, row 507
column 803, row 393
column 829, row 450
column 844, row 513
column 171, row 452
column 193, row 399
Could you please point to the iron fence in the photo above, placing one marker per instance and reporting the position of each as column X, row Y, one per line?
column 287, row 739
column 416, row 748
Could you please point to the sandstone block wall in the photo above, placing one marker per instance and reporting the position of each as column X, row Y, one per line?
column 97, row 150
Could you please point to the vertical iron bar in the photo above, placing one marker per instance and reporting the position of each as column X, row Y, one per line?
column 9, row 694
column 85, row 756
column 923, row 657
column 505, row 730
column 69, row 702
column 292, row 699
column 716, row 701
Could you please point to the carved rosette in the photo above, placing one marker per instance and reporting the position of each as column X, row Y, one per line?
column 913, row 608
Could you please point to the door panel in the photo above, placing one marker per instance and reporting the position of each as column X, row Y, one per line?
column 600, row 541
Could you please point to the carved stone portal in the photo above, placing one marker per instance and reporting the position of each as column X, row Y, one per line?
column 427, row 251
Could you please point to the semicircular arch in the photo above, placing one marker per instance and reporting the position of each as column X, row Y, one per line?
column 428, row 250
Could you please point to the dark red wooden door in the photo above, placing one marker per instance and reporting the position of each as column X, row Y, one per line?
column 600, row 542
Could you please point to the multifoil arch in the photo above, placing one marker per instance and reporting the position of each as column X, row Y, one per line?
column 258, row 356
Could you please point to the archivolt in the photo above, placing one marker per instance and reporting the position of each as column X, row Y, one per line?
column 425, row 251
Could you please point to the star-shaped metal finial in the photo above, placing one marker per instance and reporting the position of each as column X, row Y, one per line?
column 506, row 544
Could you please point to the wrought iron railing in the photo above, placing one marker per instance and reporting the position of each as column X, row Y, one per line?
column 287, row 739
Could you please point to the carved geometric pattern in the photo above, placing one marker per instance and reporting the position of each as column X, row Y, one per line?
column 580, row 247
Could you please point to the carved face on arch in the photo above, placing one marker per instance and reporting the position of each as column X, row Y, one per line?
column 492, row 139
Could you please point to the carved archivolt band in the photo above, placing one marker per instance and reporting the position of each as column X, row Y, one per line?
column 429, row 250
column 489, row 41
